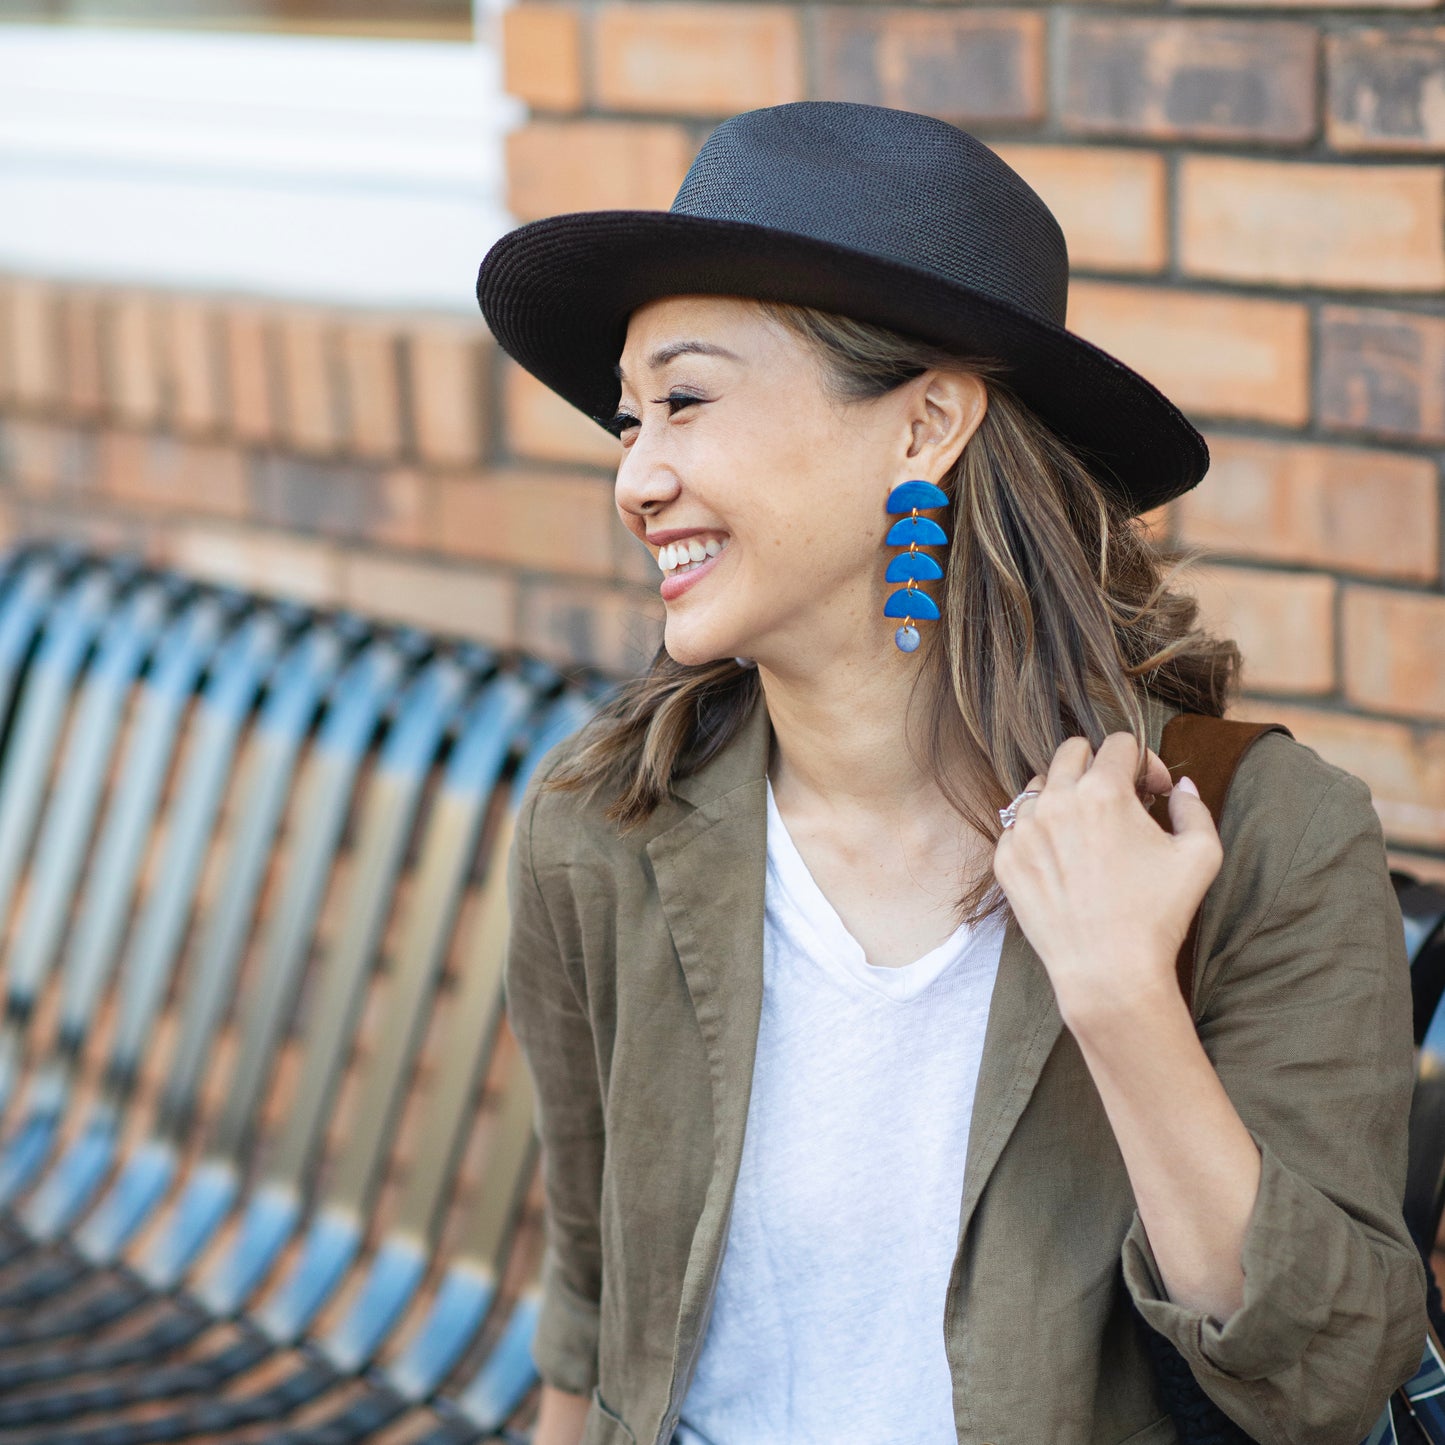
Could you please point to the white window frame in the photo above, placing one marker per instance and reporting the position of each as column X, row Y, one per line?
column 329, row 169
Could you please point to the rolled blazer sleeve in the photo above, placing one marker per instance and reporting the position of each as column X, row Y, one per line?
column 548, row 1016
column 1307, row 1021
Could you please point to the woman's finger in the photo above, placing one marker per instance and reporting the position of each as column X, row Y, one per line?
column 1118, row 759
column 1157, row 778
column 1035, row 784
column 1070, row 761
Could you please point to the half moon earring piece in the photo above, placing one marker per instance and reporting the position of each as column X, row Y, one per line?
column 913, row 566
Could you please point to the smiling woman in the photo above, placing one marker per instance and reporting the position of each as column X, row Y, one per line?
column 867, row 1113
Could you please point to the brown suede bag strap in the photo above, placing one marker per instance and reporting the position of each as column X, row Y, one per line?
column 1208, row 750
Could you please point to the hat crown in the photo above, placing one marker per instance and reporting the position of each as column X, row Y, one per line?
column 905, row 187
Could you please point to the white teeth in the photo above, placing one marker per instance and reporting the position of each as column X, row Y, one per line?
column 683, row 556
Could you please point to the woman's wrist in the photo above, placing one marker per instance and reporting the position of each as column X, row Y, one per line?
column 1140, row 997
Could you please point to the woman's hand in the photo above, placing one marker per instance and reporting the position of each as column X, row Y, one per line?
column 1099, row 889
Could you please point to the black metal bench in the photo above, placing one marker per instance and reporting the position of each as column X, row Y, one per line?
column 246, row 845
column 267, row 1159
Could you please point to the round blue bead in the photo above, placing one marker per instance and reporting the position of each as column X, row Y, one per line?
column 907, row 638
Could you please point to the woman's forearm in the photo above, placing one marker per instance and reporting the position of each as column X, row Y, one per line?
column 561, row 1416
column 1193, row 1166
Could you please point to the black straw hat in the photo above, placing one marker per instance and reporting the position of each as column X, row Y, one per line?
column 883, row 215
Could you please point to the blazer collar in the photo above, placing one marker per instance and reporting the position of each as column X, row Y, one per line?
column 711, row 870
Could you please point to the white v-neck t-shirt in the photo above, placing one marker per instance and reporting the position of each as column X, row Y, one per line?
column 827, row 1325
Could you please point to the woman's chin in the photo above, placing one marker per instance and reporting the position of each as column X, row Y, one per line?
column 690, row 648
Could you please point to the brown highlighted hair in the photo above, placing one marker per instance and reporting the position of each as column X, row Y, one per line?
column 1057, row 617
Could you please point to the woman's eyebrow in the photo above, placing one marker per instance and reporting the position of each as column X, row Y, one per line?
column 672, row 349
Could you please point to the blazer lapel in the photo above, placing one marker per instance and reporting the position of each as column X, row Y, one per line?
column 1023, row 1025
column 711, row 870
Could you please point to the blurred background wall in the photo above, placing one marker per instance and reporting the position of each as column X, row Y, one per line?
column 238, row 334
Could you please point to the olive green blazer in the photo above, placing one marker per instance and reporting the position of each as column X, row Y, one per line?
column 634, row 986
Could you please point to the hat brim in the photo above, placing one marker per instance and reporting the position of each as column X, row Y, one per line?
column 557, row 293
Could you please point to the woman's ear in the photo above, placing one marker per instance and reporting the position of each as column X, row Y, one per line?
column 949, row 407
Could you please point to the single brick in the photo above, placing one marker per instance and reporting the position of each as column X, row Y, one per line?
column 542, row 426
column 453, row 601
column 1382, row 372
column 81, row 313
column 313, row 494
column 1324, row 506
column 965, row 66
column 123, row 470
column 134, row 365
column 35, row 343
column 1212, row 355
column 1112, row 204
column 45, row 458
column 547, row 522
column 1186, row 79
column 191, row 339
column 1393, row 659
column 1404, row 765
column 683, row 59
column 542, row 55
column 271, row 562
column 1385, row 90
column 402, row 508
column 343, row 499
column 309, row 382
column 1367, row 227
column 614, row 629
column 1282, row 621
column 448, row 371
column 588, row 165
column 251, row 372
column 368, row 351
column 170, row 474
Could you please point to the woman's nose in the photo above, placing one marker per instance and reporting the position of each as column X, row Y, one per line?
column 644, row 485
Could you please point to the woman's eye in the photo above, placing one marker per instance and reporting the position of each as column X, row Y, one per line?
column 619, row 423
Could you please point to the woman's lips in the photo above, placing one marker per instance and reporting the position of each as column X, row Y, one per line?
column 677, row 584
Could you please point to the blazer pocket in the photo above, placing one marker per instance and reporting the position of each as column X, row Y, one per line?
column 605, row 1426
column 1161, row 1432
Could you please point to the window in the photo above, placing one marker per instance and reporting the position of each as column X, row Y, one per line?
column 327, row 167
column 415, row 19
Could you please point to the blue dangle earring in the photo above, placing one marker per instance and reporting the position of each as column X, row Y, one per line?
column 913, row 566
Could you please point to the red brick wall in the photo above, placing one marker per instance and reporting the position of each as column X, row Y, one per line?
column 1255, row 205
column 1255, row 209
column 384, row 462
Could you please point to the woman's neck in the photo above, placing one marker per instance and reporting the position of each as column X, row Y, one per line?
column 849, row 738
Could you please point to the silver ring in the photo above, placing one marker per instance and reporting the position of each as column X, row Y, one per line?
column 1010, row 815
